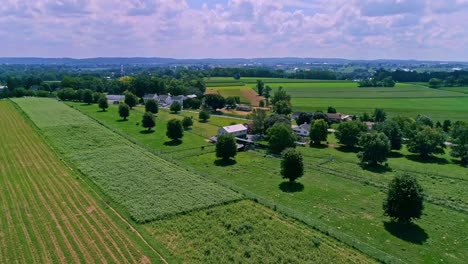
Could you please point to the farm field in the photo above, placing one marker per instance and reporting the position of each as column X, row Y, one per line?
column 49, row 215
column 336, row 192
column 407, row 99
column 148, row 187
column 245, row 231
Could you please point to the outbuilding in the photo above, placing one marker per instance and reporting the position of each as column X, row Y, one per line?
column 235, row 130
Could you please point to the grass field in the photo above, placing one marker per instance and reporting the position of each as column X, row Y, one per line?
column 48, row 216
column 456, row 89
column 340, row 194
column 147, row 186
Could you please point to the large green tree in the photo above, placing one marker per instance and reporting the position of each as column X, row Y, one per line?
column 379, row 115
column 292, row 165
column 124, row 110
column 318, row 131
column 258, row 117
column 226, row 147
column 203, row 116
column 151, row 106
column 87, row 96
column 280, row 95
column 280, row 137
column 260, row 87
column 103, row 104
column 175, row 130
column 427, row 141
column 405, row 199
column 375, row 148
column 130, row 99
column 187, row 122
column 460, row 142
column 348, row 132
column 214, row 101
column 148, row 121
column 282, row 107
column 175, row 107
column 392, row 130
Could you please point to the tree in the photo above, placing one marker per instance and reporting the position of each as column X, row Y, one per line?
column 124, row 110
column 379, row 115
column 148, row 121
column 231, row 102
column 460, row 142
column 282, row 108
column 226, row 147
column 365, row 117
column 187, row 122
column 175, row 107
column 375, row 148
column 266, row 94
column 280, row 137
column 427, row 141
column 87, row 96
column 348, row 133
column 280, row 95
column 276, row 119
column 318, row 131
column 406, row 124
column 392, row 130
column 102, row 102
column 130, row 99
column 258, row 117
column 292, row 165
column 174, row 129
column 404, row 200
column 304, row 118
column 435, row 83
column 204, row 116
column 215, row 101
column 446, row 125
column 422, row 120
column 151, row 106
column 331, row 110
column 260, row 86
column 193, row 103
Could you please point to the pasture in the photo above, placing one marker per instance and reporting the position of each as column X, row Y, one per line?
column 48, row 214
column 147, row 186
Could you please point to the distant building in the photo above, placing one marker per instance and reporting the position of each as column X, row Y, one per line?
column 338, row 117
column 179, row 98
column 115, row 99
column 164, row 100
column 147, row 97
column 235, row 130
column 245, row 108
column 302, row 130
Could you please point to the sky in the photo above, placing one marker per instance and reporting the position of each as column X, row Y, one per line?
column 352, row 29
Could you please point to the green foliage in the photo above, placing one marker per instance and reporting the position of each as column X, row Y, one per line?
column 187, row 122
column 276, row 119
column 406, row 124
column 174, row 131
column 392, row 130
column 375, row 148
column 148, row 121
column 261, row 103
column 405, row 199
column 348, row 133
column 460, row 142
column 103, row 104
column 193, row 103
column 124, row 111
column 280, row 137
column 258, row 117
column 280, row 95
column 151, row 106
column 385, row 82
column 427, row 141
column 282, row 108
column 130, row 175
column 318, row 131
column 87, row 96
column 260, row 87
column 214, row 101
column 422, row 120
column 435, row 83
column 292, row 165
column 331, row 110
column 203, row 115
column 379, row 115
column 446, row 125
column 175, row 107
column 226, row 147
column 231, row 102
column 304, row 118
column 130, row 99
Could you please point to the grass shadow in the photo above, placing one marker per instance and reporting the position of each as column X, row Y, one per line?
column 146, row 131
column 85, row 104
column 409, row 232
column 291, row 187
column 121, row 120
column 173, row 143
column 346, row 149
column 429, row 159
column 375, row 168
column 318, row 146
column 224, row 163
column 395, row 154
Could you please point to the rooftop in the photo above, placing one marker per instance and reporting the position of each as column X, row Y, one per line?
column 234, row 128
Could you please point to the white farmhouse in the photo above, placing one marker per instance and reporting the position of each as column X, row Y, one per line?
column 115, row 99
column 302, row 130
column 235, row 130
column 179, row 98
column 150, row 97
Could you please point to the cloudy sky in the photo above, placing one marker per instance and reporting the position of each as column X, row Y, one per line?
column 355, row 29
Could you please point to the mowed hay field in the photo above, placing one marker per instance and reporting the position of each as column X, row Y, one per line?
column 47, row 215
column 147, row 186
column 407, row 99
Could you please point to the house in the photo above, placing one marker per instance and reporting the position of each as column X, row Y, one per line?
column 149, row 97
column 302, row 130
column 115, row 99
column 164, row 100
column 334, row 118
column 245, row 108
column 236, row 130
column 179, row 98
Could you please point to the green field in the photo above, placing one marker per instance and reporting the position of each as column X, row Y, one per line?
column 456, row 89
column 48, row 214
column 339, row 195
column 147, row 186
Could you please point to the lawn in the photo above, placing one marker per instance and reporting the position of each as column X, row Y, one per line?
column 48, row 214
column 146, row 185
